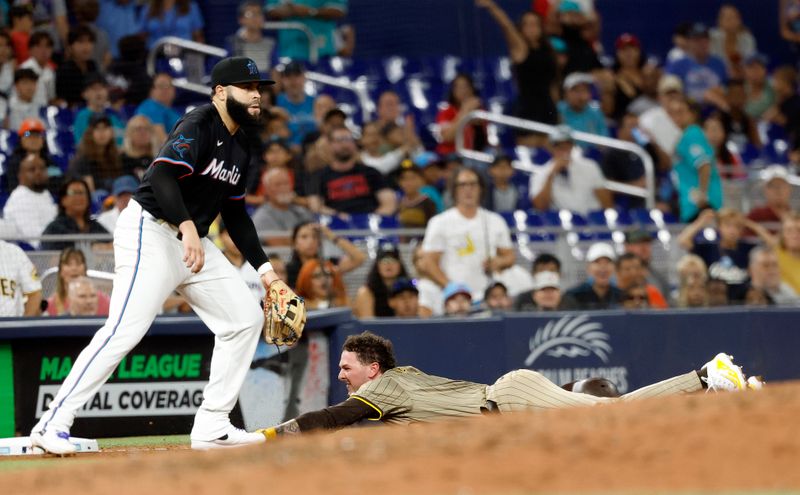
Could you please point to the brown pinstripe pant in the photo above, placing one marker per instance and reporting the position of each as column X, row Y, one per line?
column 521, row 390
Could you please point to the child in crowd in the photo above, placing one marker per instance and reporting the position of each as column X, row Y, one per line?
column 496, row 298
column 577, row 110
column 416, row 208
column 457, row 300
column 95, row 94
column 726, row 253
column 21, row 104
column 503, row 196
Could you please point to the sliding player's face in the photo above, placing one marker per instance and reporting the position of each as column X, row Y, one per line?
column 352, row 372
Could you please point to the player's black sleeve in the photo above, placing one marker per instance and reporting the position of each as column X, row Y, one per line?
column 343, row 414
column 164, row 182
column 241, row 229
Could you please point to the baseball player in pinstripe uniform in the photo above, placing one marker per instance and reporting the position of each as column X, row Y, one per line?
column 380, row 390
column 160, row 245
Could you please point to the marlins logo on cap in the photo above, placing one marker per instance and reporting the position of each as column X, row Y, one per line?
column 236, row 70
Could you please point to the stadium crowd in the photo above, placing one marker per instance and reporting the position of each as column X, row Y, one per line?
column 701, row 111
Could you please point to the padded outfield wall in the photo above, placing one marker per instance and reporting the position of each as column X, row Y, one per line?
column 157, row 388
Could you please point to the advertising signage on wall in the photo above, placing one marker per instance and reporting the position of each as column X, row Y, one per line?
column 156, row 389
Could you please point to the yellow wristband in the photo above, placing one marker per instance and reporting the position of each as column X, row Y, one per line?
column 269, row 433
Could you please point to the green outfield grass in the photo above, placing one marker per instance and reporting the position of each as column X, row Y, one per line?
column 35, row 461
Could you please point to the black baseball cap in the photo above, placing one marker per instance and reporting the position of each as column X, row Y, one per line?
column 294, row 68
column 387, row 249
column 236, row 70
column 698, row 30
column 403, row 285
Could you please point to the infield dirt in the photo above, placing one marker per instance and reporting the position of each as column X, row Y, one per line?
column 742, row 442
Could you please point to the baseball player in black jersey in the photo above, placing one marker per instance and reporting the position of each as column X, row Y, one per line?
column 160, row 246
column 382, row 391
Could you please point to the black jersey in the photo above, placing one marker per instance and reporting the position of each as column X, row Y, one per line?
column 215, row 164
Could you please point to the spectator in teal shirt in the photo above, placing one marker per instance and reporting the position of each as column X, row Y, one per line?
column 577, row 110
column 158, row 107
column 298, row 105
column 95, row 95
column 319, row 16
column 694, row 165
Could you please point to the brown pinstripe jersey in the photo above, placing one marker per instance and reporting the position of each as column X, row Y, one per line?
column 407, row 395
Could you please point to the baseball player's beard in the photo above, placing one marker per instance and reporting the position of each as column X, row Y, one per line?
column 240, row 114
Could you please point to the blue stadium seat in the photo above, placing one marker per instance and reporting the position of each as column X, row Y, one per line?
column 336, row 223
column 535, row 220
column 58, row 118
column 390, row 222
column 508, row 216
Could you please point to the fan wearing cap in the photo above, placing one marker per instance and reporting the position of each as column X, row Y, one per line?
column 760, row 95
column 569, row 180
column 404, row 298
column 777, row 196
column 629, row 79
column 122, row 190
column 597, row 292
column 545, row 295
column 160, row 246
column 703, row 74
column 457, row 299
column 32, row 139
column 577, row 109
column 372, row 299
column 297, row 104
column 656, row 122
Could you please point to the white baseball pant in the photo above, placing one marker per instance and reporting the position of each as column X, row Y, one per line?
column 148, row 268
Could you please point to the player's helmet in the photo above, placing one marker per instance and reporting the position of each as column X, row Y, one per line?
column 599, row 387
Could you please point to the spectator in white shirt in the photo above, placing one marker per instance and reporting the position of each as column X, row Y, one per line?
column 22, row 104
column 657, row 122
column 122, row 189
column 30, row 207
column 569, row 180
column 466, row 243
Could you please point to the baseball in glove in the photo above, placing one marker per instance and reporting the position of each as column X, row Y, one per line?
column 284, row 315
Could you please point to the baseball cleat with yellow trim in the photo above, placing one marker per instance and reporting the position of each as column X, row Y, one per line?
column 722, row 374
